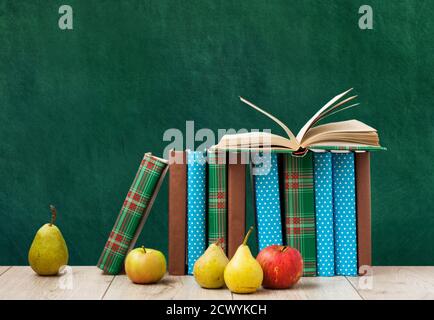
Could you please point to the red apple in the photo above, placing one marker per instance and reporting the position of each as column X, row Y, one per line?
column 282, row 266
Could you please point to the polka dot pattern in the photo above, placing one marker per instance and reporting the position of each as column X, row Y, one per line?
column 267, row 200
column 324, row 214
column 344, row 204
column 196, row 206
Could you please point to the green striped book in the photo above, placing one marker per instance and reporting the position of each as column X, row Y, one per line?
column 217, row 198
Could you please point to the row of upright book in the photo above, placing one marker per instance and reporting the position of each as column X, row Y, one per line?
column 318, row 203
column 311, row 192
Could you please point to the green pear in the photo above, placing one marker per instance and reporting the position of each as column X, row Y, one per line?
column 209, row 268
column 48, row 252
column 243, row 274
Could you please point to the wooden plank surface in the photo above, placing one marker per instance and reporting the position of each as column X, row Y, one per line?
column 90, row 283
column 170, row 287
column 3, row 269
column 308, row 288
column 396, row 283
column 75, row 283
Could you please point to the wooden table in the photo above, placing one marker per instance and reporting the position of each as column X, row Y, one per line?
column 89, row 283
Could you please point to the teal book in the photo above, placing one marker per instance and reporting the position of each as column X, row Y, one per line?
column 344, row 212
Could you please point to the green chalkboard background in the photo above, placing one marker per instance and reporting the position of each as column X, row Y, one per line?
column 79, row 108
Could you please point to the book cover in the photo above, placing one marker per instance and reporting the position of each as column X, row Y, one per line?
column 267, row 199
column 299, row 208
column 363, row 190
column 344, row 211
column 236, row 203
column 196, row 206
column 323, row 181
column 177, row 212
column 217, row 198
column 133, row 213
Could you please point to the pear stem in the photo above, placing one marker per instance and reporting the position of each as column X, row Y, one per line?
column 247, row 236
column 53, row 214
column 144, row 250
column 219, row 242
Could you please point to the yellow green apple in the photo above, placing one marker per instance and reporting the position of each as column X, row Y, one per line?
column 144, row 265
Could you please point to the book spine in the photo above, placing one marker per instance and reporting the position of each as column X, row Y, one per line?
column 323, row 177
column 344, row 211
column 196, row 206
column 217, row 198
column 177, row 212
column 300, row 209
column 133, row 213
column 267, row 199
column 236, row 204
column 363, row 190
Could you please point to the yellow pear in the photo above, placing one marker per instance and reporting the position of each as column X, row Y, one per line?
column 48, row 252
column 243, row 274
column 209, row 268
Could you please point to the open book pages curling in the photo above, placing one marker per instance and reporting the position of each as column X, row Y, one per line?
column 342, row 135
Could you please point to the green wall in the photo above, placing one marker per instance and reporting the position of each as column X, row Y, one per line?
column 79, row 108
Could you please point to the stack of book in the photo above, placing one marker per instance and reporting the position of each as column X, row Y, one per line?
column 311, row 192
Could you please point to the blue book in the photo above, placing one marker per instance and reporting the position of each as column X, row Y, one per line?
column 344, row 210
column 267, row 199
column 325, row 244
column 196, row 207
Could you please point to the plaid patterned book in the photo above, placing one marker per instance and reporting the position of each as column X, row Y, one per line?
column 217, row 198
column 299, row 208
column 196, row 206
column 325, row 244
column 133, row 213
column 344, row 207
column 265, row 175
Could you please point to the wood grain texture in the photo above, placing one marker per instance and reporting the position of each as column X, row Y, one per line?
column 308, row 288
column 396, row 283
column 87, row 283
column 3, row 269
column 170, row 287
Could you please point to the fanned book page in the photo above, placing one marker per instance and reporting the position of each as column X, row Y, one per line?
column 323, row 177
column 196, row 207
column 344, row 208
column 217, row 198
column 350, row 134
column 267, row 199
column 300, row 209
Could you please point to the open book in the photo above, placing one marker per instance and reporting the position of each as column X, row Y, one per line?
column 342, row 135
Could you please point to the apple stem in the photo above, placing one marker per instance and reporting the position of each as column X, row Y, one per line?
column 53, row 214
column 247, row 235
column 144, row 250
column 284, row 249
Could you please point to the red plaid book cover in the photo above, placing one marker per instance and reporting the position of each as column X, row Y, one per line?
column 132, row 214
column 300, row 209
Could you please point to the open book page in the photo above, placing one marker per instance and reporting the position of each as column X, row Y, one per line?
column 253, row 140
column 317, row 115
column 336, row 133
column 293, row 142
